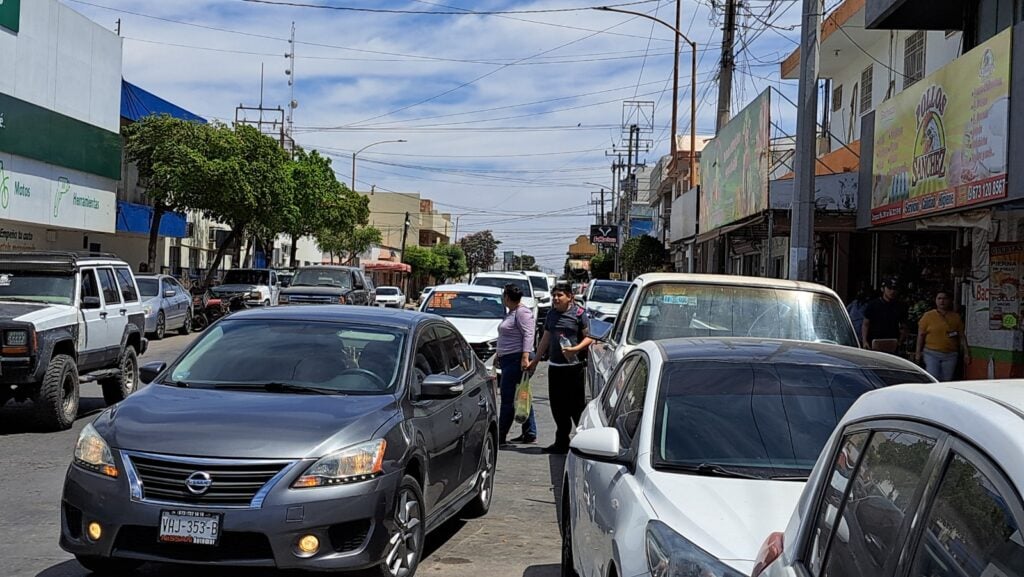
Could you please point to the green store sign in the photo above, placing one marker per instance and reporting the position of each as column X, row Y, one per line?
column 10, row 14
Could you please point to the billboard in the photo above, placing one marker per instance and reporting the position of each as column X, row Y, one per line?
column 734, row 168
column 604, row 234
column 941, row 144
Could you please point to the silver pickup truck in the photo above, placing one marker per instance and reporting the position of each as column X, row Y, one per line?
column 679, row 305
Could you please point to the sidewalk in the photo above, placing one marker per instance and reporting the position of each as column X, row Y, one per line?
column 519, row 537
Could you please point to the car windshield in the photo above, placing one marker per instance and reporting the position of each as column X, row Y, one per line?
column 465, row 305
column 539, row 283
column 37, row 286
column 148, row 287
column 242, row 276
column 764, row 419
column 672, row 310
column 323, row 277
column 498, row 282
column 276, row 355
column 609, row 293
column 387, row 291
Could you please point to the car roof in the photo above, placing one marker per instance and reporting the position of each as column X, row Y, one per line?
column 337, row 313
column 782, row 351
column 329, row 266
column 988, row 414
column 468, row 288
column 501, row 274
column 599, row 282
column 698, row 278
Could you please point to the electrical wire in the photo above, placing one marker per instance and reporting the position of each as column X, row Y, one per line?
column 461, row 12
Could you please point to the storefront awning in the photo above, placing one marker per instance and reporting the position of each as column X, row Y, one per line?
column 386, row 266
column 137, row 218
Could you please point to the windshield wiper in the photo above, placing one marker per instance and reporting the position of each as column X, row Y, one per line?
column 179, row 384
column 708, row 469
column 275, row 387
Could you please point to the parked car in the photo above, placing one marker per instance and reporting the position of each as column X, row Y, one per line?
column 284, row 276
column 666, row 305
column 66, row 318
column 257, row 286
column 475, row 310
column 343, row 436
column 167, row 305
column 424, row 293
column 699, row 448
column 390, row 296
column 541, row 292
column 603, row 299
column 325, row 284
column 500, row 279
column 916, row 480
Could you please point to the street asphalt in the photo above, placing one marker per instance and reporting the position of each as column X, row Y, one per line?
column 519, row 537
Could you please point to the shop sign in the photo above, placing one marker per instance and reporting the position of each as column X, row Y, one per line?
column 941, row 144
column 734, row 168
column 10, row 14
column 1006, row 267
column 604, row 234
column 39, row 193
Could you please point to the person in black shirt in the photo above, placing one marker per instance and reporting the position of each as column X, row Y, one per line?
column 884, row 326
column 564, row 344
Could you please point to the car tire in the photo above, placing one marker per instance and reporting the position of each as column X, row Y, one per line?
column 266, row 303
column 56, row 401
column 186, row 328
column 107, row 566
column 161, row 326
column 567, row 563
column 481, row 504
column 117, row 389
column 404, row 548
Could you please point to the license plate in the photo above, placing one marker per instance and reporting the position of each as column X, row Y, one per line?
column 192, row 527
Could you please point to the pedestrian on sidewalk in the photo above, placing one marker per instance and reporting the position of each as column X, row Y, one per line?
column 564, row 345
column 515, row 348
column 858, row 305
column 883, row 328
column 941, row 338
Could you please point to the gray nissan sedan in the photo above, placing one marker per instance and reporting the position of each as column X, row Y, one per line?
column 320, row 438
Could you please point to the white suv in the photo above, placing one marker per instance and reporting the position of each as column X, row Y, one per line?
column 500, row 279
column 539, row 282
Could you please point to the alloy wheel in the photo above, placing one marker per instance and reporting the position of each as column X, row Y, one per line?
column 68, row 403
column 161, row 325
column 487, row 472
column 407, row 540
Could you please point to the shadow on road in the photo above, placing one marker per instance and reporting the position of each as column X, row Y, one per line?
column 556, row 468
column 17, row 418
column 551, row 570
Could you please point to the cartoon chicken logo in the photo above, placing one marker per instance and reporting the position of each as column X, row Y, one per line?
column 930, row 147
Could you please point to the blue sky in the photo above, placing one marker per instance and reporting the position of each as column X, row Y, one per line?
column 506, row 117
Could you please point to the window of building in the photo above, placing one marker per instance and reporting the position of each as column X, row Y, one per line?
column 867, row 78
column 837, row 98
column 175, row 260
column 913, row 59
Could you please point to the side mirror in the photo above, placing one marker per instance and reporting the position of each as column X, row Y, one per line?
column 169, row 293
column 440, row 387
column 598, row 444
column 91, row 302
column 599, row 330
column 149, row 371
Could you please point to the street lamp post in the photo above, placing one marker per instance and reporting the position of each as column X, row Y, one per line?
column 675, row 87
column 362, row 149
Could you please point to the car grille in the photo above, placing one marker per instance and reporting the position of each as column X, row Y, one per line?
column 233, row 484
column 233, row 546
column 482, row 350
column 312, row 299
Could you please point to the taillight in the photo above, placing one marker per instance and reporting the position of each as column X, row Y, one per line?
column 770, row 551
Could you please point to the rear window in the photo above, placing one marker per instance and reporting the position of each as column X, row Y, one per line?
column 522, row 283
column 149, row 287
column 387, row 291
column 674, row 310
column 539, row 283
column 765, row 420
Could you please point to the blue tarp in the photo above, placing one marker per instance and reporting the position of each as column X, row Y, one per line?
column 639, row 227
column 137, row 103
column 136, row 218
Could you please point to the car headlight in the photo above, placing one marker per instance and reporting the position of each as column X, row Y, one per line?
column 350, row 465
column 283, row 300
column 17, row 338
column 255, row 295
column 544, row 299
column 93, row 453
column 148, row 309
column 669, row 554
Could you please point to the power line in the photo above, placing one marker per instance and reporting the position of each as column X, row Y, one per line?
column 461, row 12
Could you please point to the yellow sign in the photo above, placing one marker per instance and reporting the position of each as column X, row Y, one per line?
column 614, row 276
column 941, row 144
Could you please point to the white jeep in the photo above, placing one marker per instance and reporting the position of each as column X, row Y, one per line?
column 67, row 319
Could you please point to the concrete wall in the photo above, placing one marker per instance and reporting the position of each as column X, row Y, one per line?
column 387, row 213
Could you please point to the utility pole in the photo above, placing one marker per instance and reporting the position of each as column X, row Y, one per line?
column 405, row 233
column 801, row 235
column 118, row 26
column 292, row 103
column 727, row 66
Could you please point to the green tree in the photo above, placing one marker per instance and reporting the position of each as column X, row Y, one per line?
column 320, row 203
column 166, row 151
column 454, row 262
column 524, row 262
column 480, row 248
column 642, row 254
column 347, row 243
column 602, row 265
column 424, row 261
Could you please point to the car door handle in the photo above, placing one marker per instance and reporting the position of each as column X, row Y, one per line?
column 103, row 315
column 482, row 402
column 457, row 417
column 123, row 312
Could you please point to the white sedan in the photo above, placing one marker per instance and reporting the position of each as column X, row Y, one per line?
column 926, row 478
column 475, row 310
column 390, row 296
column 699, row 448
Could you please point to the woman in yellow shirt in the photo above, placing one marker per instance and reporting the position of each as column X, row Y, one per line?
column 940, row 338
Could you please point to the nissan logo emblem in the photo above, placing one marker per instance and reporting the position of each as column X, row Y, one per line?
column 198, row 483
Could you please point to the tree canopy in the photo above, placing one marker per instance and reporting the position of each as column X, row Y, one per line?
column 642, row 254
column 480, row 248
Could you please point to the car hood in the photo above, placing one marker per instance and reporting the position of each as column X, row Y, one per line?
column 728, row 518
column 234, row 424
column 315, row 290
column 31, row 312
column 476, row 330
